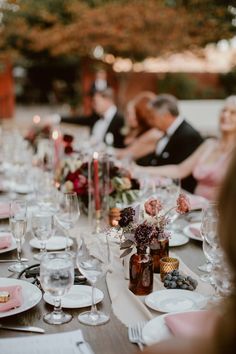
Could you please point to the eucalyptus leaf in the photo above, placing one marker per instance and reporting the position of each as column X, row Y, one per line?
column 126, row 252
column 126, row 244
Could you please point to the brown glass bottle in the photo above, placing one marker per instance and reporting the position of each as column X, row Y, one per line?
column 141, row 272
column 158, row 250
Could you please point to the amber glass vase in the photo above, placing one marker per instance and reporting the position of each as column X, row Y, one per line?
column 141, row 272
column 158, row 250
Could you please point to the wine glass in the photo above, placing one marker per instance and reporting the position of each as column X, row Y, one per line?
column 56, row 278
column 210, row 238
column 93, row 269
column 42, row 228
column 18, row 223
column 68, row 213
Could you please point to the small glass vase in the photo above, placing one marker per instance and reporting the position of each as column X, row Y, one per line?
column 158, row 250
column 141, row 272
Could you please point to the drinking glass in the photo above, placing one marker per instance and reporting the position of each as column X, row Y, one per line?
column 68, row 213
column 42, row 228
column 56, row 278
column 210, row 238
column 18, row 223
column 93, row 269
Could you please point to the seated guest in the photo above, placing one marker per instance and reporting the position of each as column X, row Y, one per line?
column 221, row 339
column 209, row 162
column 104, row 120
column 141, row 138
column 179, row 138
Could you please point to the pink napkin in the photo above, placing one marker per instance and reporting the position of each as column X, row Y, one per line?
column 5, row 240
column 15, row 300
column 4, row 210
column 197, row 202
column 192, row 324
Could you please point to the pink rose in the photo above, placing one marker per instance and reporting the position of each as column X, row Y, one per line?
column 183, row 204
column 152, row 207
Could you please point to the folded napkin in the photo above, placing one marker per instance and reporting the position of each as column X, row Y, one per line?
column 5, row 240
column 192, row 324
column 197, row 202
column 16, row 298
column 4, row 210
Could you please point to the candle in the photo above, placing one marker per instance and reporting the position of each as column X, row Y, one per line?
column 57, row 146
column 96, row 181
column 36, row 119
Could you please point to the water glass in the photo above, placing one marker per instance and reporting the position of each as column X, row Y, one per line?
column 42, row 228
column 56, row 278
column 18, row 224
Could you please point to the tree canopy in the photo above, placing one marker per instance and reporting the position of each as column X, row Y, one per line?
column 128, row 28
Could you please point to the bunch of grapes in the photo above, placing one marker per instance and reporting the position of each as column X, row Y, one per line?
column 175, row 280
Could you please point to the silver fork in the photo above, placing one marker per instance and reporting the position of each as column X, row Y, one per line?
column 135, row 334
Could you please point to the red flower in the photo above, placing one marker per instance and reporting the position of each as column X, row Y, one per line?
column 152, row 207
column 79, row 181
column 183, row 204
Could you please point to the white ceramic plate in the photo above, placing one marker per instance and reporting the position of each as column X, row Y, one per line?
column 12, row 247
column 156, row 330
column 79, row 296
column 55, row 243
column 31, row 295
column 178, row 239
column 191, row 234
column 175, row 300
column 22, row 188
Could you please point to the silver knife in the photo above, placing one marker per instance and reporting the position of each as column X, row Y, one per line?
column 23, row 328
column 13, row 260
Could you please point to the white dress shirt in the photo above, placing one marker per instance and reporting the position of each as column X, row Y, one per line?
column 166, row 137
column 100, row 127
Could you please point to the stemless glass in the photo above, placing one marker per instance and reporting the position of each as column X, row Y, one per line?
column 68, row 213
column 56, row 278
column 18, row 223
column 93, row 269
column 42, row 228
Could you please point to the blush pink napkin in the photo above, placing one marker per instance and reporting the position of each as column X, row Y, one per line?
column 197, row 202
column 192, row 324
column 5, row 240
column 4, row 210
column 16, row 298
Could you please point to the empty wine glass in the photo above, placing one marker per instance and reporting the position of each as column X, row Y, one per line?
column 56, row 278
column 42, row 228
column 18, row 223
column 68, row 213
column 93, row 269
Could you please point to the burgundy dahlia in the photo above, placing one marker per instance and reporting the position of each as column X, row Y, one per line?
column 126, row 216
column 143, row 235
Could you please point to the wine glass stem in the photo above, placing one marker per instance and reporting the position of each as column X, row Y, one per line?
column 43, row 248
column 18, row 244
column 94, row 310
column 67, row 248
column 57, row 305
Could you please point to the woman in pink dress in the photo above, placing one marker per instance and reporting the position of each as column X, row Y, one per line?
column 209, row 162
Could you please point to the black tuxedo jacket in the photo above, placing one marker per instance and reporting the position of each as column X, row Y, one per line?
column 181, row 144
column 115, row 126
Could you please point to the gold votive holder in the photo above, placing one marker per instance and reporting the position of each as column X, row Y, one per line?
column 167, row 265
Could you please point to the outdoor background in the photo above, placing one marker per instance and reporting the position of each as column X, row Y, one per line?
column 50, row 51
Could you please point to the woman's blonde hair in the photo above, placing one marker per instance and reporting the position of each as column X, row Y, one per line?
column 226, row 329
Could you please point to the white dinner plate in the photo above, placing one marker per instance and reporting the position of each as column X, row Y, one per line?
column 178, row 239
column 191, row 234
column 22, row 188
column 175, row 300
column 55, row 243
column 31, row 295
column 79, row 296
column 156, row 330
column 13, row 244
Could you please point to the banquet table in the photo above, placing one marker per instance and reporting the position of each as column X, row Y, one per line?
column 108, row 338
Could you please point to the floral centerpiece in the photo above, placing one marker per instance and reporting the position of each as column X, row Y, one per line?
column 72, row 175
column 150, row 234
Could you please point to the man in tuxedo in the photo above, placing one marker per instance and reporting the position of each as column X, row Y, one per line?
column 179, row 138
column 105, row 122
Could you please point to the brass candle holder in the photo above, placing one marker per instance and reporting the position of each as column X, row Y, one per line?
column 167, row 265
